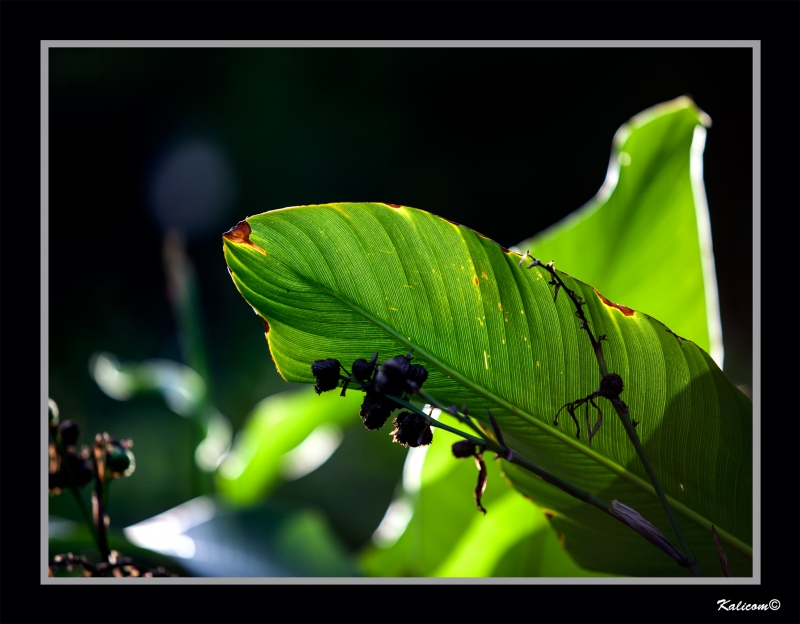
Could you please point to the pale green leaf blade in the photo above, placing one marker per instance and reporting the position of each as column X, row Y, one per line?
column 644, row 240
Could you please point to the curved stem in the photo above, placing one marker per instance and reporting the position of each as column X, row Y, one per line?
column 624, row 415
column 627, row 516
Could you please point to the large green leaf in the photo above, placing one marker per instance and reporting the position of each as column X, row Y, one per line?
column 645, row 240
column 344, row 280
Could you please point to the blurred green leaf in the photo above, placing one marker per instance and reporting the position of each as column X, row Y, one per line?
column 645, row 239
column 307, row 547
column 212, row 539
column 286, row 434
column 182, row 389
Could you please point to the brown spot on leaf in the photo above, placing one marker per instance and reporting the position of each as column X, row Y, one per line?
column 624, row 309
column 240, row 233
column 393, row 205
column 475, row 279
column 266, row 324
column 548, row 515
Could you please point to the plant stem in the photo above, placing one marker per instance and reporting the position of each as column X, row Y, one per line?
column 440, row 425
column 463, row 418
column 641, row 527
column 624, row 415
column 73, row 487
column 98, row 462
column 637, row 444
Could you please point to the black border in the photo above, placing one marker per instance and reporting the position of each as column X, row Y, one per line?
column 24, row 24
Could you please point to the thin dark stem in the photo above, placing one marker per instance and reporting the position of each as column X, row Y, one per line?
column 642, row 527
column 99, row 467
column 464, row 418
column 623, row 413
column 435, row 423
column 73, row 487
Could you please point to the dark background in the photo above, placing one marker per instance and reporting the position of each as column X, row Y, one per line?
column 507, row 141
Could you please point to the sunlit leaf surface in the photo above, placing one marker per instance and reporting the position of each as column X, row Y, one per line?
column 344, row 280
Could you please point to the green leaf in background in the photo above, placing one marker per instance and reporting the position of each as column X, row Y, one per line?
column 344, row 280
column 183, row 390
column 448, row 537
column 286, row 435
column 644, row 240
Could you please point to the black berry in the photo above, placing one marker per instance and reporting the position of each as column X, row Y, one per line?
column 411, row 430
column 376, row 409
column 611, row 386
column 463, row 449
column 362, row 370
column 391, row 378
column 416, row 376
column 327, row 374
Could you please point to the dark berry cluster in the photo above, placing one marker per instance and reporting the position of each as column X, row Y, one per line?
column 72, row 466
column 394, row 377
column 398, row 376
column 117, row 455
column 74, row 462
column 392, row 381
